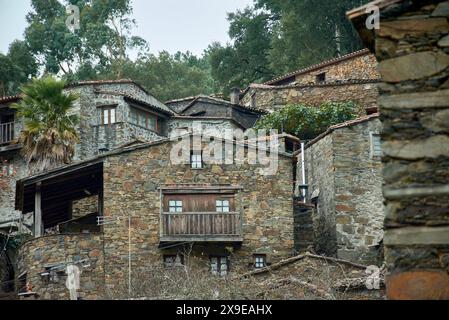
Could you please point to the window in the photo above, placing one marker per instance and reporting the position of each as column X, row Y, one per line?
column 171, row 261
column 143, row 119
column 219, row 266
column 108, row 115
column 196, row 160
column 260, row 261
column 134, row 117
column 321, row 77
column 223, row 206
column 376, row 146
column 175, row 206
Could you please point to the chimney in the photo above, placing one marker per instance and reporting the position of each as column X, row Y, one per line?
column 235, row 95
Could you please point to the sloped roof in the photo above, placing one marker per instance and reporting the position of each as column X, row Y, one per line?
column 340, row 126
column 190, row 101
column 318, row 66
column 100, row 82
column 8, row 99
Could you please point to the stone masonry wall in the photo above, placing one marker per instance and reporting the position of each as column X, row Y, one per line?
column 131, row 182
column 357, row 68
column 95, row 136
column 270, row 98
column 61, row 250
column 320, row 179
column 12, row 168
column 177, row 125
column 303, row 225
column 412, row 46
column 359, row 209
column 83, row 207
column 347, row 182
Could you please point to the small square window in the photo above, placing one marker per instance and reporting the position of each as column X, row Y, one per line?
column 321, row 77
column 175, row 206
column 196, row 160
column 260, row 261
column 223, row 206
column 219, row 266
column 171, row 261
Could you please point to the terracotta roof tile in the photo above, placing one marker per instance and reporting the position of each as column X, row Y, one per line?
column 340, row 126
column 319, row 65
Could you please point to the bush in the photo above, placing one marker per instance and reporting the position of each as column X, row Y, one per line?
column 307, row 122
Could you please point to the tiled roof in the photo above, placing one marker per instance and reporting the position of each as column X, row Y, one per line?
column 194, row 99
column 340, row 126
column 318, row 66
column 165, row 110
column 100, row 82
column 8, row 99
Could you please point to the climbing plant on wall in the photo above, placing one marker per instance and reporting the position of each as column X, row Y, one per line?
column 307, row 122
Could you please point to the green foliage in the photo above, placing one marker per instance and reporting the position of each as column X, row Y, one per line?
column 103, row 40
column 278, row 36
column 268, row 39
column 307, row 122
column 245, row 61
column 49, row 135
column 16, row 68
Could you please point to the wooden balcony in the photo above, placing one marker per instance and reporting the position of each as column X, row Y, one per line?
column 6, row 133
column 201, row 227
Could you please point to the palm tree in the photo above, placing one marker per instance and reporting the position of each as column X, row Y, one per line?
column 49, row 136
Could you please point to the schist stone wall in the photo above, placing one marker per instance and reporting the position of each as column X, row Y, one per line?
column 363, row 65
column 272, row 98
column 131, row 182
column 52, row 254
column 351, row 78
column 412, row 46
column 12, row 168
column 345, row 181
column 180, row 125
column 95, row 136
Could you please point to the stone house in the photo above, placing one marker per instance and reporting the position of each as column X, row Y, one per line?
column 113, row 114
column 412, row 47
column 343, row 180
column 152, row 210
column 210, row 114
column 353, row 77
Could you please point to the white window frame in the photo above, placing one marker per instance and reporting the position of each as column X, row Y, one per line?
column 223, row 206
column 108, row 115
column 260, row 261
column 219, row 266
column 196, row 160
column 175, row 206
column 172, row 261
column 374, row 153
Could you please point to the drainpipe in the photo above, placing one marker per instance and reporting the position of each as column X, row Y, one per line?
column 303, row 169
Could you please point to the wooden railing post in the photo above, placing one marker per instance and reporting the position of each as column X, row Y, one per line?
column 38, row 227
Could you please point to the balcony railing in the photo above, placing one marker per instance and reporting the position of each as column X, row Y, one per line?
column 6, row 132
column 204, row 226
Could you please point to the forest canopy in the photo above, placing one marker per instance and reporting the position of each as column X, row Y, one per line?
column 268, row 39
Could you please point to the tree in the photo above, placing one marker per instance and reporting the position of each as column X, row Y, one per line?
column 103, row 40
column 307, row 122
column 16, row 68
column 49, row 135
column 246, row 60
column 169, row 76
column 309, row 31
